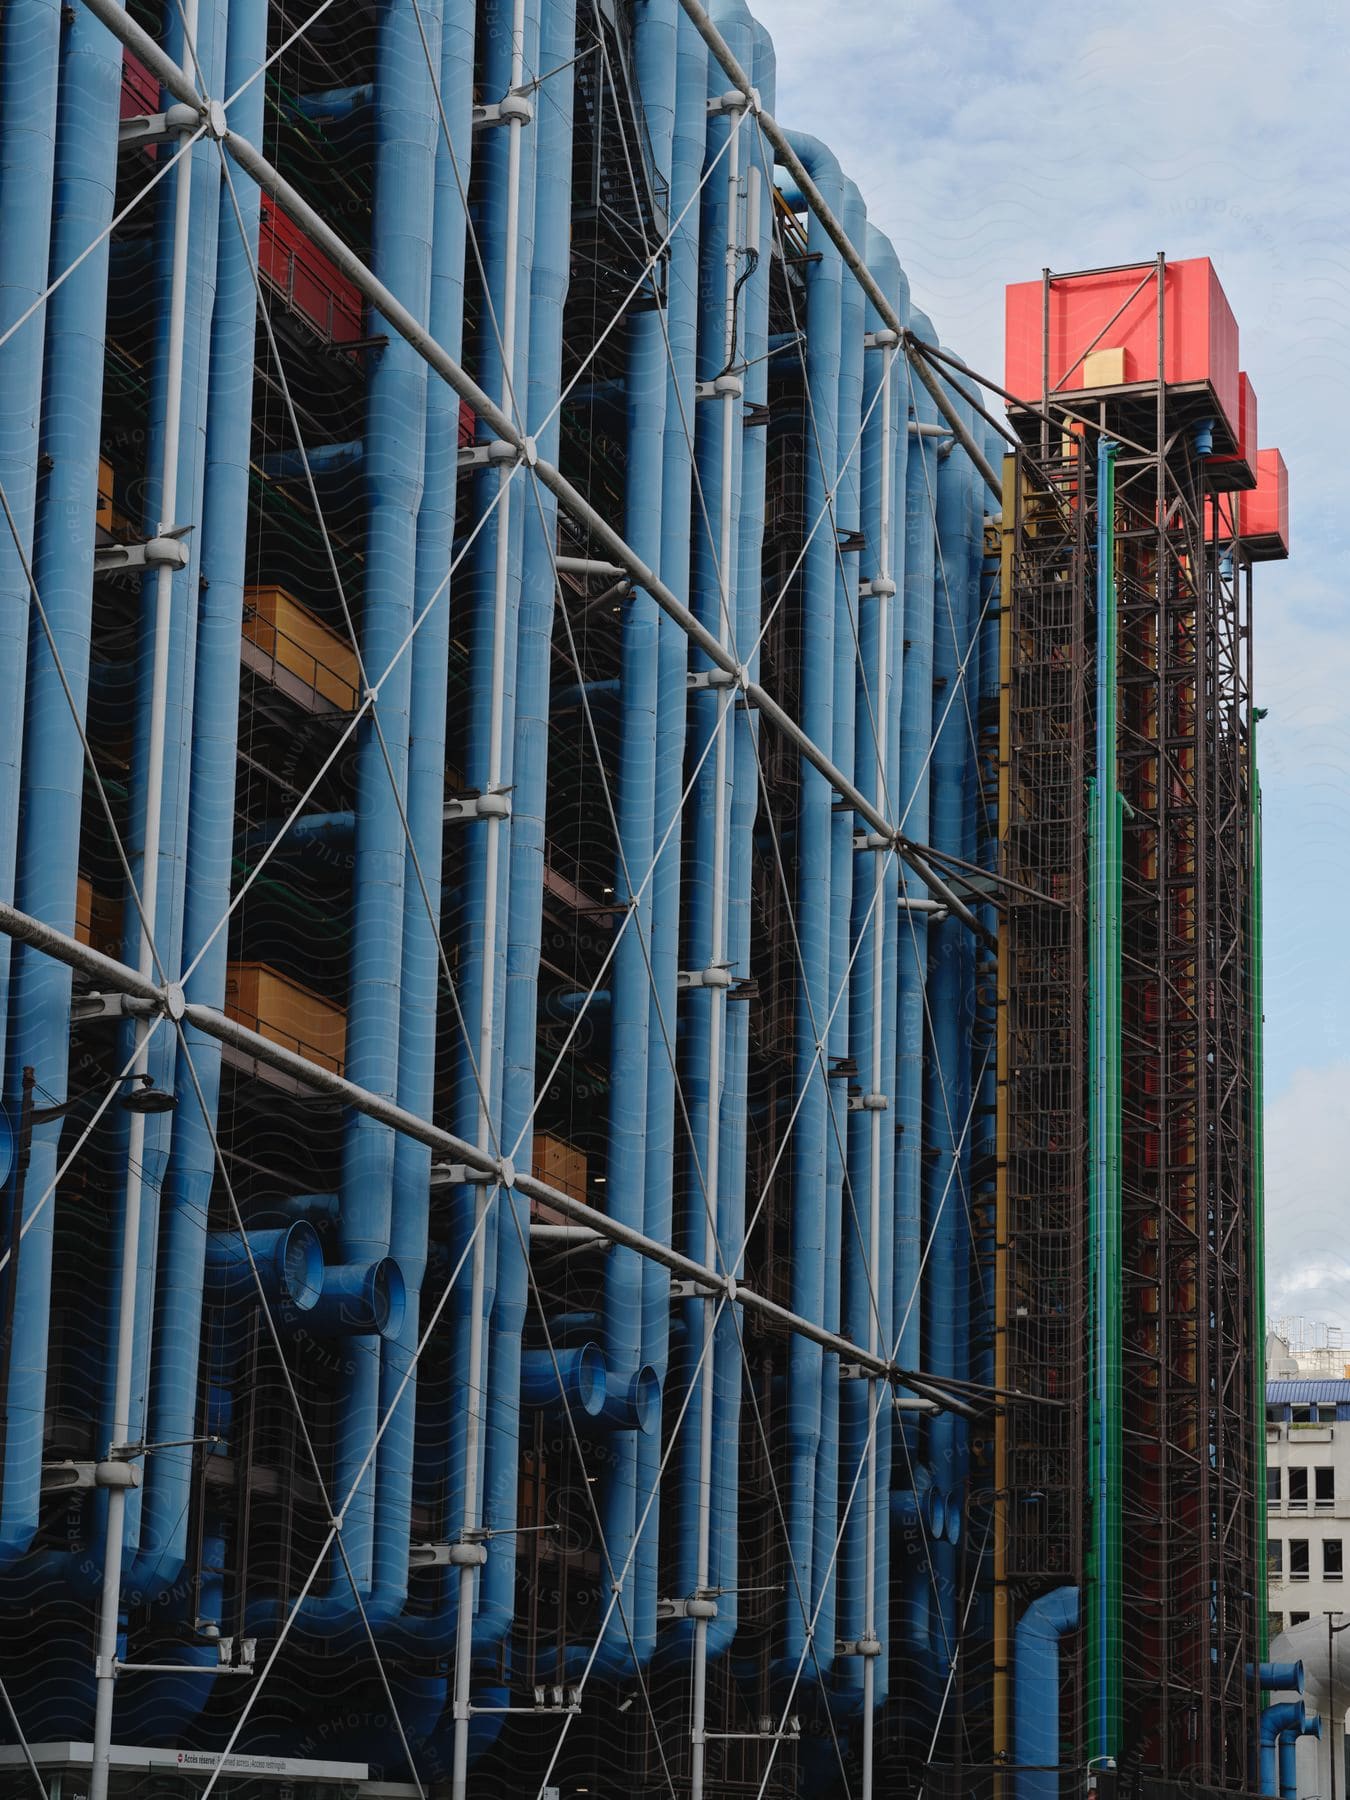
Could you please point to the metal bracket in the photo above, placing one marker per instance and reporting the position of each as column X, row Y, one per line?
column 86, row 1007
column 921, row 428
column 153, row 128
column 476, row 806
column 710, row 678
column 447, row 1556
column 484, row 456
column 461, row 1175
column 871, row 840
column 880, row 587
column 718, row 976
column 115, row 1474
column 697, row 1606
column 515, row 109
column 693, row 1290
column 167, row 551
column 67, row 1477
column 719, row 387
column 735, row 101
column 863, row 1646
column 885, row 339
column 756, row 413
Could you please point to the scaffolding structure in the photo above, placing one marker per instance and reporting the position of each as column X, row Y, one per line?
column 550, row 969
column 1118, row 519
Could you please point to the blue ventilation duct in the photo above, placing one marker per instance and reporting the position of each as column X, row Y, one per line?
column 1036, row 1692
column 67, row 396
column 192, row 1164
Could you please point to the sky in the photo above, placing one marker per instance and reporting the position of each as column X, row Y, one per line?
column 991, row 140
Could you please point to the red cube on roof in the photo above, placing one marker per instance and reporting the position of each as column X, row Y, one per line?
column 1264, row 513
column 1111, row 316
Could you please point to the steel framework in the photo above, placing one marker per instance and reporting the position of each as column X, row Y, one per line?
column 1183, row 1498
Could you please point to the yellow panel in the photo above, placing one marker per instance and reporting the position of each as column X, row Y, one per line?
column 286, row 1013
column 302, row 644
column 104, row 515
column 1104, row 368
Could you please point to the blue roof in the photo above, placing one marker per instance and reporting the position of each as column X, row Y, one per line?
column 1305, row 1389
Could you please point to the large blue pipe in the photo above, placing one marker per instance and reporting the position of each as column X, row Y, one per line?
column 947, row 1310
column 173, row 1396
column 629, row 1300
column 63, row 557
column 1286, row 1721
column 682, row 306
column 914, row 744
column 868, row 1290
column 753, row 49
column 421, row 982
column 167, row 924
column 702, row 1019
column 405, row 135
column 30, row 32
column 841, row 1199
column 549, row 192
column 481, row 965
column 1036, row 1697
column 810, row 1154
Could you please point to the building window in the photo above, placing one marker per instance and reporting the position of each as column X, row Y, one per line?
column 1298, row 1490
column 1274, row 1414
column 1301, row 1415
column 1326, row 1415
column 1324, row 1489
column 1297, row 1619
column 1275, row 1557
column 1298, row 1559
column 1332, row 1566
column 1273, row 1486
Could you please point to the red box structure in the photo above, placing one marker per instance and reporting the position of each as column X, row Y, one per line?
column 309, row 282
column 1117, row 309
column 1239, row 470
column 1264, row 513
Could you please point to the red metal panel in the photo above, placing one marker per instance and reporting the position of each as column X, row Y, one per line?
column 140, row 94
column 1201, row 332
column 1246, row 424
column 1264, row 512
column 140, row 90
column 307, row 280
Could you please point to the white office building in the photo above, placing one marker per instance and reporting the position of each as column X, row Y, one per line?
column 1308, row 1500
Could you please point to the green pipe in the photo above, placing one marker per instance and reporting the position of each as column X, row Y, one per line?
column 1105, row 839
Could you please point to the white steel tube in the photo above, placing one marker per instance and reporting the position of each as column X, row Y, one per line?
column 145, row 995
column 717, row 1008
column 110, row 1596
column 880, row 925
column 488, row 988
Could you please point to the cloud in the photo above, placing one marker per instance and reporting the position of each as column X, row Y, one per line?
column 1307, row 1189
